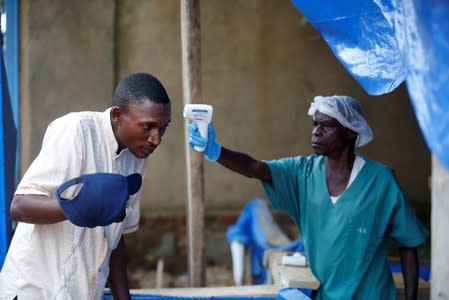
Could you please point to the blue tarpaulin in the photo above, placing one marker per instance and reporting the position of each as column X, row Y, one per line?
column 8, row 144
column 383, row 43
column 108, row 296
column 256, row 229
column 424, row 270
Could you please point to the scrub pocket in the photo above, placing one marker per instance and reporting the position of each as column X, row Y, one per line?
column 361, row 241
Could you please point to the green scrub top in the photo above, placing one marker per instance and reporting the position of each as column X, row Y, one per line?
column 346, row 242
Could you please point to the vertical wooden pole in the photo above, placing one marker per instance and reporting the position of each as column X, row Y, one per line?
column 440, row 227
column 191, row 82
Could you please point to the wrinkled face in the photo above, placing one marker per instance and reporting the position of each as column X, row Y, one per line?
column 141, row 128
column 329, row 136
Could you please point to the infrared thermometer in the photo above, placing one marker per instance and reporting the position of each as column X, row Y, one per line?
column 201, row 114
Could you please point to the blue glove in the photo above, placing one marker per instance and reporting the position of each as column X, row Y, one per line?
column 213, row 149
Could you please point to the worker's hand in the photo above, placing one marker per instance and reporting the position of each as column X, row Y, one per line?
column 213, row 149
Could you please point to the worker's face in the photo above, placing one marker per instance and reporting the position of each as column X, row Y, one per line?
column 142, row 127
column 329, row 136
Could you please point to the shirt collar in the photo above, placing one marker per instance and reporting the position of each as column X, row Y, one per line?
column 109, row 133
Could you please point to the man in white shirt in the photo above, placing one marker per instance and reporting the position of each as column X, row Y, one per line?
column 51, row 258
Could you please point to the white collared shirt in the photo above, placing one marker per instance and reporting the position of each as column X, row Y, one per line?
column 64, row 261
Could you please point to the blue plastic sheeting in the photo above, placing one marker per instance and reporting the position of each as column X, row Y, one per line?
column 383, row 43
column 361, row 38
column 12, row 64
column 8, row 144
column 424, row 270
column 161, row 297
column 292, row 294
column 284, row 294
column 256, row 229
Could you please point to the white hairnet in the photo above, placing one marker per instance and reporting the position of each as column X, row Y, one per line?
column 347, row 112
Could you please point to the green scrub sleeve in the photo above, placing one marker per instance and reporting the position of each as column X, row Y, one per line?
column 405, row 228
column 283, row 190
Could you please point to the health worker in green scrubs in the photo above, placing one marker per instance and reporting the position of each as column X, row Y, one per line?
column 345, row 205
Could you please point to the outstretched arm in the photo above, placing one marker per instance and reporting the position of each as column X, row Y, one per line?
column 235, row 161
column 409, row 264
column 36, row 209
column 244, row 164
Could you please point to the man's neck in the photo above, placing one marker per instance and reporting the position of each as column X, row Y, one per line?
column 342, row 162
column 338, row 172
column 114, row 130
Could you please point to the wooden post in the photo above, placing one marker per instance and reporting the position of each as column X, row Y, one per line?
column 439, row 288
column 191, row 82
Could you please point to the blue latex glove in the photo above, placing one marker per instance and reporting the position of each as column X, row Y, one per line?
column 213, row 149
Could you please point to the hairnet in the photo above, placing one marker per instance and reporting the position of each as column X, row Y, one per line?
column 347, row 112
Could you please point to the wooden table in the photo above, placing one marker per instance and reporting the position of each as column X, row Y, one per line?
column 289, row 276
column 302, row 277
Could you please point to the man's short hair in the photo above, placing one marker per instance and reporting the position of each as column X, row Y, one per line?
column 137, row 88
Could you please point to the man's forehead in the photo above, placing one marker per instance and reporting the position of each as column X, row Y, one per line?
column 319, row 116
column 150, row 112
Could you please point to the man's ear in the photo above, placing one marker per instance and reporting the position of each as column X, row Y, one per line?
column 352, row 135
column 116, row 115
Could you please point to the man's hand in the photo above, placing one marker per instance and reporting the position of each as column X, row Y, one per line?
column 213, row 149
column 235, row 161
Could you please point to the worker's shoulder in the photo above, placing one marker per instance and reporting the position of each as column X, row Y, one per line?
column 309, row 163
column 302, row 160
column 80, row 116
column 377, row 167
column 75, row 119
